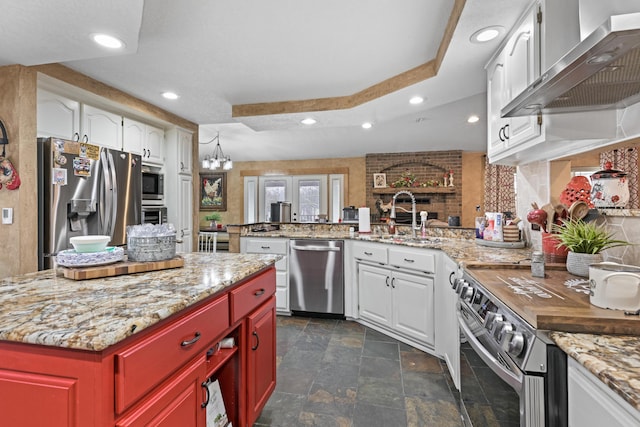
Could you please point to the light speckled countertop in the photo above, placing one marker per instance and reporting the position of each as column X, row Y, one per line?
column 615, row 360
column 43, row 308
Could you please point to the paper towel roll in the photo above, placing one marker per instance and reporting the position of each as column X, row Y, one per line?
column 364, row 220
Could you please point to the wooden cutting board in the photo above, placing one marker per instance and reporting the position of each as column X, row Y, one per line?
column 119, row 268
column 565, row 310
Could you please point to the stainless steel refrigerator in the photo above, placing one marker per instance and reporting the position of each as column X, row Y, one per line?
column 84, row 189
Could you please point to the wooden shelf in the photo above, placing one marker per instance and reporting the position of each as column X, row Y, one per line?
column 416, row 190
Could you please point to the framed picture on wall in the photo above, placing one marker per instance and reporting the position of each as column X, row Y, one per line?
column 213, row 192
column 379, row 180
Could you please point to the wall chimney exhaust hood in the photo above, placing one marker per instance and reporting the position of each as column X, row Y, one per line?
column 601, row 72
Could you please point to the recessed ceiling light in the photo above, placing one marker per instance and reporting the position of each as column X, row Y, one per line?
column 170, row 95
column 486, row 34
column 473, row 119
column 416, row 100
column 367, row 125
column 108, row 41
column 308, row 121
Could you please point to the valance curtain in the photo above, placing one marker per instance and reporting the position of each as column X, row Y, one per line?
column 499, row 188
column 625, row 159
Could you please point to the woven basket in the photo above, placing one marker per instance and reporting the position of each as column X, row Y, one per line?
column 578, row 264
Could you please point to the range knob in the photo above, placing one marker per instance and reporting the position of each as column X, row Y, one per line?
column 457, row 283
column 503, row 329
column 467, row 293
column 461, row 285
column 513, row 343
column 491, row 320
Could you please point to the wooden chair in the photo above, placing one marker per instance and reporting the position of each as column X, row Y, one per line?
column 207, row 241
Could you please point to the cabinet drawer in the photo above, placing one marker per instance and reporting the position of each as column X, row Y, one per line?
column 370, row 252
column 247, row 297
column 281, row 265
column 267, row 246
column 281, row 279
column 413, row 259
column 141, row 367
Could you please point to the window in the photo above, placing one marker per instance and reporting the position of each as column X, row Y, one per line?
column 308, row 194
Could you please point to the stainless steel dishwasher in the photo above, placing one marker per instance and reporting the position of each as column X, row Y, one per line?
column 316, row 277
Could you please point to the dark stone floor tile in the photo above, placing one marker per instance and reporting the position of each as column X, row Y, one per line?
column 429, row 413
column 349, row 327
column 331, row 400
column 426, row 386
column 377, row 367
column 282, row 409
column 341, row 354
column 388, row 350
column 323, row 420
column 367, row 415
column 291, row 322
column 347, row 340
column 296, row 358
column 419, row 362
column 294, row 380
column 380, row 392
column 312, row 341
column 337, row 375
column 372, row 335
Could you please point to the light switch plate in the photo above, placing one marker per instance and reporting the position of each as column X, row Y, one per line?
column 7, row 215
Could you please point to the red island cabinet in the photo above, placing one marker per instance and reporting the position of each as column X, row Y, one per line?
column 158, row 377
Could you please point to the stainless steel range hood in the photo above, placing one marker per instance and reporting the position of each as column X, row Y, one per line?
column 601, row 72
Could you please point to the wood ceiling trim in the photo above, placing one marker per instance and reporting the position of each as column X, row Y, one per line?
column 400, row 81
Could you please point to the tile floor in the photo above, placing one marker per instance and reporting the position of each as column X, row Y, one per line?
column 340, row 373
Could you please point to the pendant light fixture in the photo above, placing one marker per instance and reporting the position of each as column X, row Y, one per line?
column 217, row 159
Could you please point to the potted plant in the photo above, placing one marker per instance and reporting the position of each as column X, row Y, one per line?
column 585, row 242
column 213, row 218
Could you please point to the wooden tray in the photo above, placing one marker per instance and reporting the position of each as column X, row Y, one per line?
column 119, row 268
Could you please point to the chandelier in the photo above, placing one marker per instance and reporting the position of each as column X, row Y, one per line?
column 217, row 159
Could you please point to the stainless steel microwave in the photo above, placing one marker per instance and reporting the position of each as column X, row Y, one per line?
column 152, row 186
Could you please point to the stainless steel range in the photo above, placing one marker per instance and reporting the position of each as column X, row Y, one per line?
column 515, row 375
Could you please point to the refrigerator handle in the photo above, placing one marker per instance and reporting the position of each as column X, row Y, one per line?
column 105, row 199
column 114, row 194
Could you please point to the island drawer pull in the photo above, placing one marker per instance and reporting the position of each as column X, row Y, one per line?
column 259, row 293
column 191, row 341
column 205, row 385
column 255, row 334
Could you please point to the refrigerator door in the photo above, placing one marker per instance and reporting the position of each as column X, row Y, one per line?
column 123, row 182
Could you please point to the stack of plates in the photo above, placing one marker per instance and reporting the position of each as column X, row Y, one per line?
column 72, row 258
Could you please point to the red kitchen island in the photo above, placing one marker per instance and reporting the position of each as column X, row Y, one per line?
column 139, row 349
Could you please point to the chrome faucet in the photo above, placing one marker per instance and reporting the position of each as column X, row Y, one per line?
column 413, row 209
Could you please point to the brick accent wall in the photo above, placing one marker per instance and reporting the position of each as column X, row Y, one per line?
column 425, row 165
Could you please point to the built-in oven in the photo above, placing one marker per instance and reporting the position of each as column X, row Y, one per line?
column 510, row 374
column 154, row 215
column 152, row 186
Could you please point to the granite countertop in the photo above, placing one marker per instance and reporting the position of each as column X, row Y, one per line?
column 45, row 308
column 615, row 360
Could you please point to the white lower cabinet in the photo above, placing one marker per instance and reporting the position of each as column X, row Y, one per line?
column 256, row 245
column 448, row 335
column 592, row 403
column 399, row 299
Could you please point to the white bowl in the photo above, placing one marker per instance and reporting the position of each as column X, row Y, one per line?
column 84, row 244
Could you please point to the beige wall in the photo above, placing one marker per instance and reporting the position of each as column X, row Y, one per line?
column 353, row 168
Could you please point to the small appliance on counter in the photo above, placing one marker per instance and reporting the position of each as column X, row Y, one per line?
column 350, row 214
column 281, row 212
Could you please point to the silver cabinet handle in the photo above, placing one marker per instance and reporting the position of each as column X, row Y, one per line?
column 409, row 260
column 192, row 341
column 315, row 248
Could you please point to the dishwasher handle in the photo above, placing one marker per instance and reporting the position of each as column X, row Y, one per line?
column 315, row 248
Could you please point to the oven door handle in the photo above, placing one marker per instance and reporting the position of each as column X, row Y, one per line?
column 515, row 381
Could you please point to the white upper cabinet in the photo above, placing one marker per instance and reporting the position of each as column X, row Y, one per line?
column 153, row 150
column 133, row 136
column 58, row 116
column 143, row 139
column 185, row 159
column 102, row 127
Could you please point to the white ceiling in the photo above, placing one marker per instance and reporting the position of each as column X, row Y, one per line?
column 219, row 53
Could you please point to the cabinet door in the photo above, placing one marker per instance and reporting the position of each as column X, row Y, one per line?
column 133, row 136
column 178, row 402
column 261, row 358
column 413, row 306
column 498, row 128
column 55, row 398
column 102, row 127
column 58, row 116
column 448, row 335
column 374, row 294
column 522, row 68
column 184, row 152
column 185, row 200
column 154, row 145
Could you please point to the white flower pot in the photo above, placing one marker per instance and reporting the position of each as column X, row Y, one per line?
column 578, row 264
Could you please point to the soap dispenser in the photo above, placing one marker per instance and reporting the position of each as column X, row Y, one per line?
column 423, row 224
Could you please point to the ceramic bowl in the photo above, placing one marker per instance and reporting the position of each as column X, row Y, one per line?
column 85, row 244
